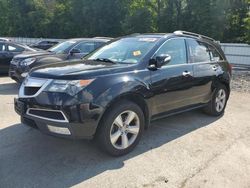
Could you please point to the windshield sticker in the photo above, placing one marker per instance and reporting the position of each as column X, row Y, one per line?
column 137, row 53
column 148, row 39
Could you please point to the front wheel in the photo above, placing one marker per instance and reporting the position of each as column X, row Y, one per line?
column 218, row 103
column 121, row 128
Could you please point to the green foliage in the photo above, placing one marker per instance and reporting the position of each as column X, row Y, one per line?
column 225, row 20
column 247, row 25
column 140, row 17
column 235, row 15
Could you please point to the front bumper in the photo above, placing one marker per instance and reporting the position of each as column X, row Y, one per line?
column 80, row 122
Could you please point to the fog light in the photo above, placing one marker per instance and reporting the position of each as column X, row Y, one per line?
column 59, row 130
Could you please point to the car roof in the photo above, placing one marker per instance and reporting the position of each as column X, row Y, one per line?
column 4, row 39
column 90, row 39
column 176, row 34
column 18, row 44
column 151, row 35
column 48, row 41
column 14, row 43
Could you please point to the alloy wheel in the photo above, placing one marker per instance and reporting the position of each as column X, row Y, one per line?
column 124, row 130
column 220, row 100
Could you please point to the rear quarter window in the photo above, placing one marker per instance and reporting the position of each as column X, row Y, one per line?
column 214, row 54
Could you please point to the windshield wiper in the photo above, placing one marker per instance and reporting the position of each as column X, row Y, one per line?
column 105, row 60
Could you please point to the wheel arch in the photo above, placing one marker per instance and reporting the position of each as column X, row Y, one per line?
column 133, row 97
column 224, row 80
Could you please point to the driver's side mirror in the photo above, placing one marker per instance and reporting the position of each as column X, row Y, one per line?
column 159, row 61
column 74, row 51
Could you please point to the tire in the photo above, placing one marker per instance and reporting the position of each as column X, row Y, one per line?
column 212, row 107
column 113, row 128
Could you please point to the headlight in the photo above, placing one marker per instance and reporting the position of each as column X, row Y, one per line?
column 69, row 87
column 24, row 74
column 28, row 61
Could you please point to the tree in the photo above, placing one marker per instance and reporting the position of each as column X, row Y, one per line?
column 225, row 20
column 170, row 14
column 236, row 13
column 247, row 24
column 140, row 17
column 3, row 17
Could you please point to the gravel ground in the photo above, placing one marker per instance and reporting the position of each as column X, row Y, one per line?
column 241, row 81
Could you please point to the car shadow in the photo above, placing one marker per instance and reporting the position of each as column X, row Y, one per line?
column 10, row 88
column 29, row 158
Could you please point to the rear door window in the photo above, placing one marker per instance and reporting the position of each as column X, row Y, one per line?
column 85, row 47
column 198, row 51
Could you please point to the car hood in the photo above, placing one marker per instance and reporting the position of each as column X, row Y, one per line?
column 76, row 70
column 32, row 54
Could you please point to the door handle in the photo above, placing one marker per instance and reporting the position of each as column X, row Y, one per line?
column 186, row 73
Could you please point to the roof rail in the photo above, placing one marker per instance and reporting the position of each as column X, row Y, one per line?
column 193, row 34
column 108, row 38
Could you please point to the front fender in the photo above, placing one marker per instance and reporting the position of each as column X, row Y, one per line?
column 124, row 87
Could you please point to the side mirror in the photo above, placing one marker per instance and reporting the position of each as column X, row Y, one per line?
column 74, row 51
column 159, row 61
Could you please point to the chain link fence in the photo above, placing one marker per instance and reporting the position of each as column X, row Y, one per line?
column 237, row 53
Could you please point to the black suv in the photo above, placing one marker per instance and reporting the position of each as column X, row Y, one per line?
column 68, row 50
column 116, row 92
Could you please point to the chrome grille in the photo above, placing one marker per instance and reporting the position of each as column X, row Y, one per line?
column 31, row 87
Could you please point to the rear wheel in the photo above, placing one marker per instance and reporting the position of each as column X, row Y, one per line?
column 217, row 105
column 121, row 128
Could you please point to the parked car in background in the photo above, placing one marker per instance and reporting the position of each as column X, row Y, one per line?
column 8, row 50
column 119, row 89
column 44, row 44
column 4, row 40
column 67, row 50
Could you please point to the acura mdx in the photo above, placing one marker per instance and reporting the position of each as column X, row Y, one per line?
column 115, row 92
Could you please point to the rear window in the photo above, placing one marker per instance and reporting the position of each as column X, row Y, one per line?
column 62, row 47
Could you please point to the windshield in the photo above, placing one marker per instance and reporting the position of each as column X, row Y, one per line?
column 62, row 47
column 126, row 50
